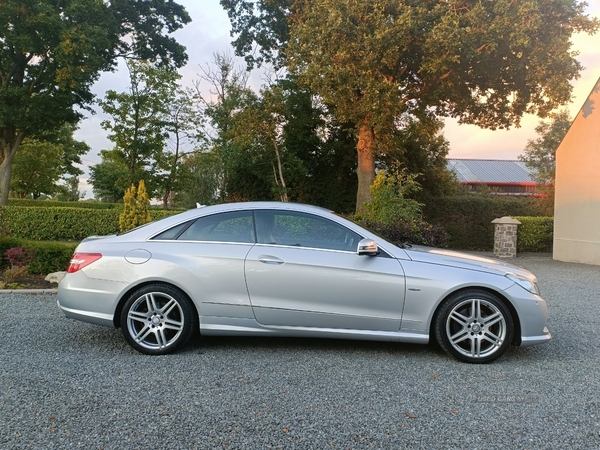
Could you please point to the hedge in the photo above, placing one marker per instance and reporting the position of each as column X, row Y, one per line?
column 468, row 218
column 48, row 256
column 535, row 234
column 28, row 202
column 64, row 224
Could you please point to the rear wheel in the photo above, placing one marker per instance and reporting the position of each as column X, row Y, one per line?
column 158, row 319
column 474, row 326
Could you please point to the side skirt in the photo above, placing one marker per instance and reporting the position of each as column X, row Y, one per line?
column 227, row 326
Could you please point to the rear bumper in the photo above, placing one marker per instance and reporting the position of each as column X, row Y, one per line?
column 89, row 300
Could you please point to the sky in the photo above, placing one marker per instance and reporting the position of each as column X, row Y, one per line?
column 208, row 34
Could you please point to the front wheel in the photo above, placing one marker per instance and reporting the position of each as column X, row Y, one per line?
column 474, row 326
column 158, row 319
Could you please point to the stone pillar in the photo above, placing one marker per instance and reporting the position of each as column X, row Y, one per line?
column 505, row 237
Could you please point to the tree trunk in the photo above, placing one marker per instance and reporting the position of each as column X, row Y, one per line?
column 366, row 166
column 281, row 182
column 7, row 153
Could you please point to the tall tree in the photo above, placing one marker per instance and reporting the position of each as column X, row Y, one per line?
column 139, row 121
column 51, row 53
column 373, row 61
column 182, row 127
column 228, row 97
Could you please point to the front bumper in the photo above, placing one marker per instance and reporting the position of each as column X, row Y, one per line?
column 533, row 316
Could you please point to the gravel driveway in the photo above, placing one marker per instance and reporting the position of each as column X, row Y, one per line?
column 66, row 384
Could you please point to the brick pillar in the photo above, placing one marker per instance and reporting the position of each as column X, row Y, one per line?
column 505, row 237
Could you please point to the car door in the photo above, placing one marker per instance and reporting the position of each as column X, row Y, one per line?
column 213, row 250
column 304, row 272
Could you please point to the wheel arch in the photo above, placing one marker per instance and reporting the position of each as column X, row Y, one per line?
column 513, row 312
column 125, row 295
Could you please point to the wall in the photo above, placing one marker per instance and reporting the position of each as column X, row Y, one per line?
column 577, row 201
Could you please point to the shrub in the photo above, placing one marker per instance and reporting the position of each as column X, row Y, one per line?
column 15, row 273
column 535, row 234
column 19, row 256
column 135, row 208
column 404, row 232
column 48, row 257
column 389, row 202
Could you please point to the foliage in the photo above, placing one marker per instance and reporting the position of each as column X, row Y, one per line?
column 181, row 124
column 27, row 202
column 135, row 208
column 468, row 218
column 108, row 177
column 202, row 175
column 47, row 257
column 540, row 155
column 230, row 169
column 138, row 125
column 65, row 223
column 374, row 62
column 47, row 165
column 19, row 256
column 53, row 52
column 390, row 202
column 15, row 273
column 416, row 232
column 255, row 141
column 421, row 148
column 535, row 234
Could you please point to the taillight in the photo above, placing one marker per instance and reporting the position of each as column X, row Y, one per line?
column 80, row 260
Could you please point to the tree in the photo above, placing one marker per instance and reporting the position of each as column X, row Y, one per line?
column 109, row 178
column 52, row 52
column 139, row 122
column 34, row 173
column 420, row 147
column 48, row 165
column 229, row 97
column 540, row 155
column 485, row 63
column 181, row 124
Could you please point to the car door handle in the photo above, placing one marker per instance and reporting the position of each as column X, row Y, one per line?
column 268, row 259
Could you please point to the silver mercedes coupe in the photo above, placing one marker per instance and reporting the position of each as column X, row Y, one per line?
column 282, row 269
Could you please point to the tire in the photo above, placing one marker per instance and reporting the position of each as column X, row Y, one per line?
column 158, row 319
column 474, row 326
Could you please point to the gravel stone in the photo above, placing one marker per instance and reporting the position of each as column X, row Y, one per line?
column 67, row 384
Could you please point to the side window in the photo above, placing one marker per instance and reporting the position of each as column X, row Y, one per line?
column 226, row 227
column 171, row 233
column 303, row 230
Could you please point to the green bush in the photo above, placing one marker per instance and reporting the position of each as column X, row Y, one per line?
column 535, row 234
column 64, row 224
column 48, row 257
column 390, row 202
column 405, row 232
column 468, row 218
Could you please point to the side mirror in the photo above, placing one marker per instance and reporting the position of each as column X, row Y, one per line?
column 368, row 247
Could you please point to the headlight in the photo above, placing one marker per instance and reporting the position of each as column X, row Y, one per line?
column 526, row 283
